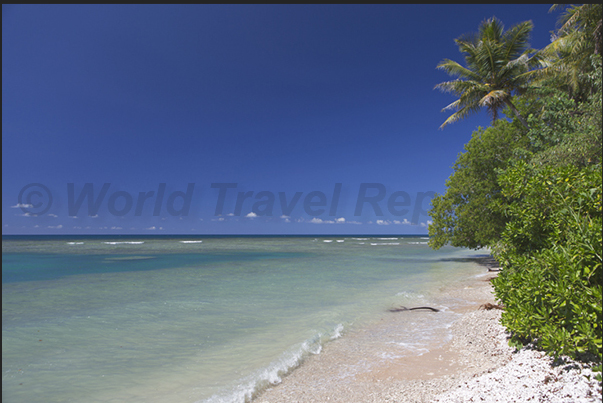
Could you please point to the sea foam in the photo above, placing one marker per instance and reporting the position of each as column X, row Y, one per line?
column 125, row 243
column 251, row 386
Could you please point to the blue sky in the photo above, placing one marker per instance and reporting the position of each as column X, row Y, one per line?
column 290, row 119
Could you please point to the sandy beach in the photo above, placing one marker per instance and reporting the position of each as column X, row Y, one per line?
column 475, row 364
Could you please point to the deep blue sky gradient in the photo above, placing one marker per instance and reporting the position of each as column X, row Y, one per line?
column 289, row 98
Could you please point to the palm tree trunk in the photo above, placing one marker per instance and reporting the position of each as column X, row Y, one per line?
column 516, row 112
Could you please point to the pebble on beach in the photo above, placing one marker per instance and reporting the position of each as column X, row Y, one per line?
column 529, row 376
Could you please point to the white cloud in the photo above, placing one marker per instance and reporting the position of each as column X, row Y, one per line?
column 55, row 226
column 340, row 220
column 317, row 220
column 230, row 214
column 93, row 216
column 152, row 228
column 404, row 222
column 383, row 222
column 52, row 215
column 251, row 215
column 22, row 205
column 116, row 228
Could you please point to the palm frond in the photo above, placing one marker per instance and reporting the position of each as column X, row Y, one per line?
column 455, row 69
column 516, row 39
column 461, row 114
column 491, row 29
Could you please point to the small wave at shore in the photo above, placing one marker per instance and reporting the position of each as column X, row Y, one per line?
column 251, row 386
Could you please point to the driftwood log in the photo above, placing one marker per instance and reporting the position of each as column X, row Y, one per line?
column 489, row 306
column 403, row 308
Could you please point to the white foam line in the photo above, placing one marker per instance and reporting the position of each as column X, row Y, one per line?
column 190, row 241
column 120, row 243
column 250, row 386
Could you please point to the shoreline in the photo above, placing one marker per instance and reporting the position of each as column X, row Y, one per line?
column 475, row 363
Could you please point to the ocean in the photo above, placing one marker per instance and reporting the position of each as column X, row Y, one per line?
column 203, row 319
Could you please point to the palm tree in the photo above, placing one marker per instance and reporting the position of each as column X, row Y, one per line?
column 567, row 59
column 586, row 19
column 497, row 63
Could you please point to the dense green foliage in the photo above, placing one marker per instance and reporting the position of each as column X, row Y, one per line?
column 530, row 190
column 470, row 213
column 551, row 252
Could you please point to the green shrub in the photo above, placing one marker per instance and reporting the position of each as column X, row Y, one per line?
column 551, row 253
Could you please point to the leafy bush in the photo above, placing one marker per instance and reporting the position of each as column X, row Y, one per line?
column 470, row 213
column 551, row 250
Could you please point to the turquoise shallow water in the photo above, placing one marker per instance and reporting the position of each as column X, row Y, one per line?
column 194, row 320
